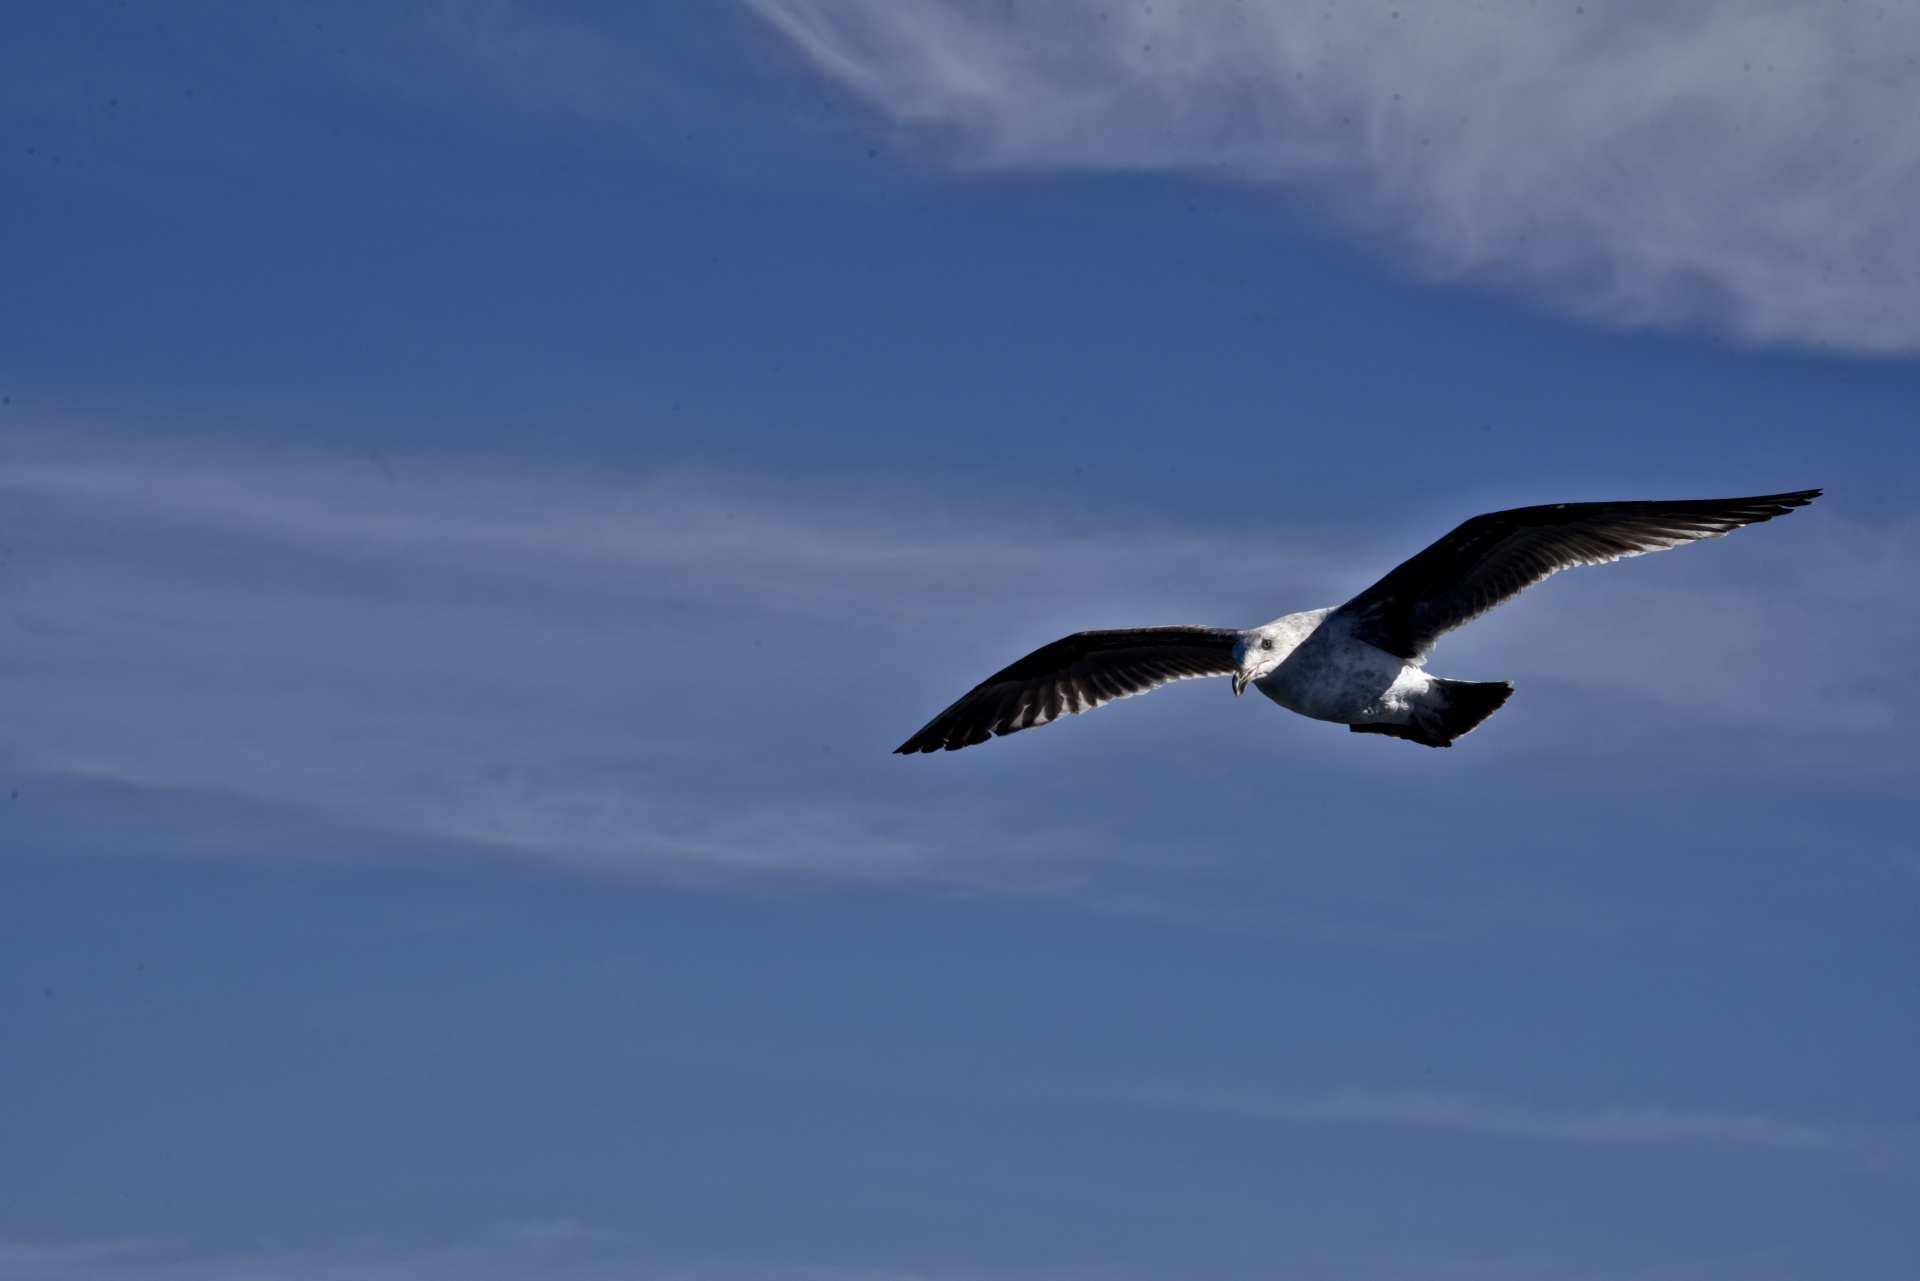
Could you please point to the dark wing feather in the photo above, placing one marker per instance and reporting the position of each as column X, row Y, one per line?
column 1073, row 675
column 1495, row 557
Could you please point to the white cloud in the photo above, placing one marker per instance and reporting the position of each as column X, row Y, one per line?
column 605, row 672
column 1748, row 163
column 518, row 1254
column 687, row 676
column 1891, row 1148
column 1623, row 1124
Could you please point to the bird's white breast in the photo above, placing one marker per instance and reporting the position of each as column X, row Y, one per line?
column 1331, row 676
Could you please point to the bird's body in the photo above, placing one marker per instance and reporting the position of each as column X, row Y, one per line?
column 1329, row 674
column 1360, row 664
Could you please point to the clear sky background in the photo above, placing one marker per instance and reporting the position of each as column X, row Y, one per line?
column 485, row 485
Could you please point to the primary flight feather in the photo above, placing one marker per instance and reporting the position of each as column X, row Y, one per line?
column 1360, row 664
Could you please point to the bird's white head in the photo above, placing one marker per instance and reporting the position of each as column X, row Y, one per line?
column 1255, row 654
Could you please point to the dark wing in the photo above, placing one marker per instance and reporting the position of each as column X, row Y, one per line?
column 1075, row 675
column 1495, row 557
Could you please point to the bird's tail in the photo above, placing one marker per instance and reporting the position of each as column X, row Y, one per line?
column 1459, row 707
column 1466, row 704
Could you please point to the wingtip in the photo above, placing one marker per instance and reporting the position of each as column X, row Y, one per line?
column 1764, row 507
column 1787, row 504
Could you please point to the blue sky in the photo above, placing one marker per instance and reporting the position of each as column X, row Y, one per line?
column 484, row 486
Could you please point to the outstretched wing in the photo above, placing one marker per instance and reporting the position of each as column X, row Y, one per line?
column 1495, row 557
column 1073, row 675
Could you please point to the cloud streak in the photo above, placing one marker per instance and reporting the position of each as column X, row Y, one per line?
column 536, row 663
column 680, row 676
column 540, row 1249
column 1618, row 1125
column 1746, row 165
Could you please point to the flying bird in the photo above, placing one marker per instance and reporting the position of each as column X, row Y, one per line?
column 1361, row 664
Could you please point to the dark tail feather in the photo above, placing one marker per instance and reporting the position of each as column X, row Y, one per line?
column 1468, row 703
column 1465, row 705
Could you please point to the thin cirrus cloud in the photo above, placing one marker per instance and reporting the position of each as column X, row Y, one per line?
column 1747, row 165
column 566, row 1248
column 1889, row 1148
column 529, row 1250
column 548, row 664
column 582, row 668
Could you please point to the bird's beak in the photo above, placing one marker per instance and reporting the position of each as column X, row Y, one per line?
column 1240, row 680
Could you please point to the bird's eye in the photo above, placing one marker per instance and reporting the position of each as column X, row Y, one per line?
column 1266, row 644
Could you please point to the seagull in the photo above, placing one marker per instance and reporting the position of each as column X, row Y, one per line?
column 1361, row 664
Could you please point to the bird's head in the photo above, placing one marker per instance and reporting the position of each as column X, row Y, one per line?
column 1255, row 654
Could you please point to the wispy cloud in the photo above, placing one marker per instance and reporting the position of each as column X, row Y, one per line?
column 1620, row 1124
column 551, row 1249
column 667, row 673
column 569, row 1250
column 1892, row 1148
column 557, row 664
column 1751, row 165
